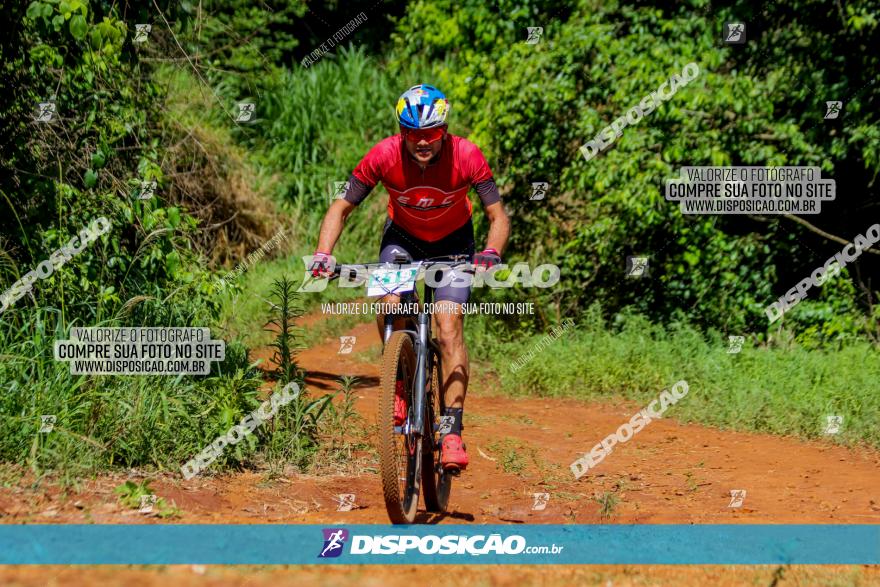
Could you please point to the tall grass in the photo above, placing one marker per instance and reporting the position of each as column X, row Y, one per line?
column 154, row 422
column 105, row 421
column 779, row 389
column 314, row 126
column 319, row 122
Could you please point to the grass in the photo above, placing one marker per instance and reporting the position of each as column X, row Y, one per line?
column 140, row 496
column 779, row 390
column 509, row 455
column 285, row 163
column 156, row 423
column 108, row 421
column 343, row 418
column 517, row 457
column 243, row 312
column 512, row 461
column 607, row 503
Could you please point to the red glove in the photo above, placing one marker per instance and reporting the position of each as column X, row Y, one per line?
column 487, row 259
column 322, row 264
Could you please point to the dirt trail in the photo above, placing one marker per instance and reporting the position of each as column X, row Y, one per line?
column 668, row 473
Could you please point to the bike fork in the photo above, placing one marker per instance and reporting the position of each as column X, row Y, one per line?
column 421, row 373
column 389, row 328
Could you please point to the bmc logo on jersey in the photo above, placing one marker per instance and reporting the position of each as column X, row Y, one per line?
column 427, row 203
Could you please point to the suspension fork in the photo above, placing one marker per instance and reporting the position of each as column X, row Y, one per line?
column 421, row 347
column 424, row 331
column 389, row 327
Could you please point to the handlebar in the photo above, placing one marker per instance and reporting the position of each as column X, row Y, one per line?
column 452, row 261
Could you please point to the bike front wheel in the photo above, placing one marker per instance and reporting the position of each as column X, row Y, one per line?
column 400, row 448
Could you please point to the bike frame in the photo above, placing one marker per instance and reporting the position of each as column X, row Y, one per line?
column 422, row 340
column 416, row 326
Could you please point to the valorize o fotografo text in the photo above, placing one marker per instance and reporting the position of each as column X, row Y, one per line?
column 159, row 350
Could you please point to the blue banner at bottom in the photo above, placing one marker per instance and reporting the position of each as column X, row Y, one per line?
column 448, row 544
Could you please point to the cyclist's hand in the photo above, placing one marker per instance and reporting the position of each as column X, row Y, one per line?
column 322, row 264
column 487, row 259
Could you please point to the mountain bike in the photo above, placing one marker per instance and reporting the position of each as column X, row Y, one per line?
column 409, row 454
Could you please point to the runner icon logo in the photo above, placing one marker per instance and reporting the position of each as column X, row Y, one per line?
column 446, row 423
column 140, row 33
column 636, row 266
column 147, row 503
column 735, row 344
column 245, row 112
column 535, row 33
column 832, row 109
column 345, row 501
column 338, row 190
column 47, row 110
column 346, row 344
column 737, row 497
column 334, row 540
column 539, row 190
column 734, row 33
column 541, row 500
column 833, row 424
column 47, row 423
column 148, row 189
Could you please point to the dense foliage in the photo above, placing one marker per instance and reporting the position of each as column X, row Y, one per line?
column 110, row 132
column 531, row 106
column 130, row 113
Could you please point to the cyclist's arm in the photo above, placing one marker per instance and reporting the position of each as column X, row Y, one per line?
column 479, row 173
column 499, row 227
column 332, row 225
column 355, row 192
column 484, row 185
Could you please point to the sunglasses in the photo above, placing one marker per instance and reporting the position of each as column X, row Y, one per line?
column 429, row 135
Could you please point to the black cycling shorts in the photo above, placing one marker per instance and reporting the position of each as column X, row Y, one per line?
column 459, row 242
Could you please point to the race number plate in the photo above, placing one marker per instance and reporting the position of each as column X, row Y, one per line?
column 392, row 280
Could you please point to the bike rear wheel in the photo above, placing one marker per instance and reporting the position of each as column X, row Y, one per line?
column 436, row 482
column 400, row 450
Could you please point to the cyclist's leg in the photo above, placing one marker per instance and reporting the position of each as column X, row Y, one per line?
column 449, row 321
column 448, row 316
column 395, row 243
column 449, row 329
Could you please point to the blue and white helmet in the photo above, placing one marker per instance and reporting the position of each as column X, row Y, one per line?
column 422, row 106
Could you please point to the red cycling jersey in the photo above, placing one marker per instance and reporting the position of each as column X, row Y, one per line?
column 427, row 203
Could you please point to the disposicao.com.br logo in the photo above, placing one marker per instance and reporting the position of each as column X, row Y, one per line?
column 334, row 539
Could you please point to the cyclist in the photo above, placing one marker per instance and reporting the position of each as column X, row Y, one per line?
column 428, row 173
